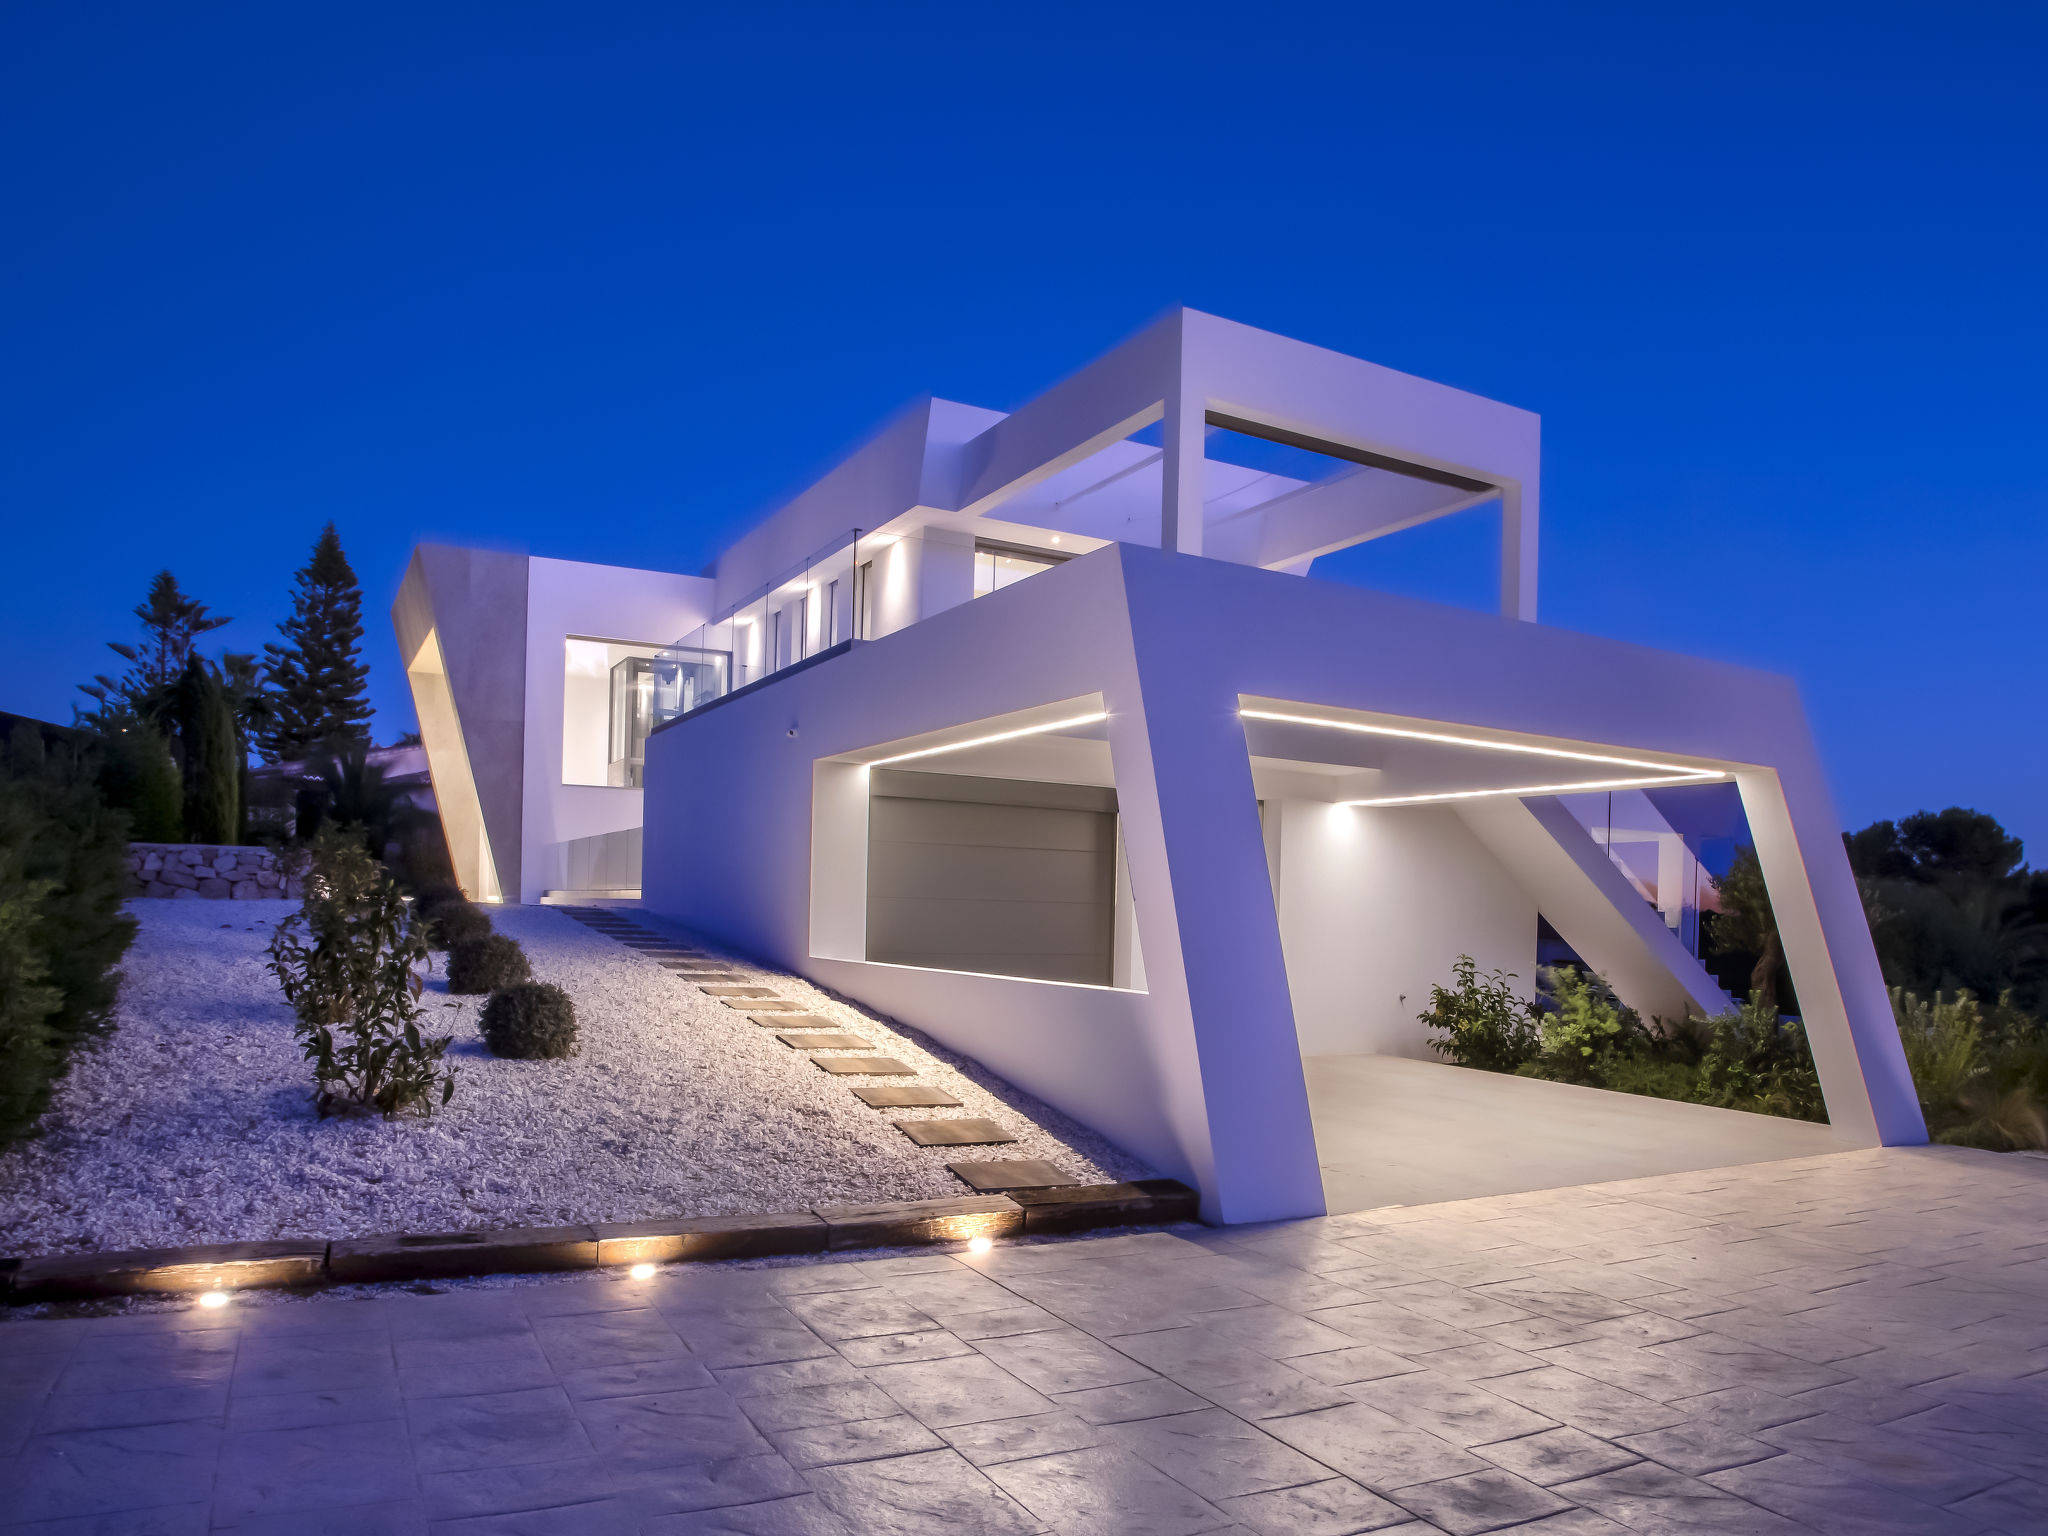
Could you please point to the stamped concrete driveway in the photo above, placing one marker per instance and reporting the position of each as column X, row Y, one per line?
column 1847, row 1344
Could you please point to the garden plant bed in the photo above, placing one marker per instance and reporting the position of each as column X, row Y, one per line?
column 192, row 1122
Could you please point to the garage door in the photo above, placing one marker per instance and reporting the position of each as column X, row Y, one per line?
column 1005, row 877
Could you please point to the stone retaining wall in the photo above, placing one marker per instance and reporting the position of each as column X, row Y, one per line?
column 192, row 871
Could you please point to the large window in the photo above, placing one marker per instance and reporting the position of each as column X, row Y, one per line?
column 997, row 566
column 607, row 710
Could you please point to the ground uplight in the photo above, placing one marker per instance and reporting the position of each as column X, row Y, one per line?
column 979, row 1244
column 214, row 1299
column 642, row 1271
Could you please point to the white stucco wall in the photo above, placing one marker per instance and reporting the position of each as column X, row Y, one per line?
column 1201, row 1073
column 1375, row 907
column 600, row 602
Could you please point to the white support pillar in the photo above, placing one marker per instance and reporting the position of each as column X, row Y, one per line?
column 1518, row 523
column 1842, row 998
column 1181, row 471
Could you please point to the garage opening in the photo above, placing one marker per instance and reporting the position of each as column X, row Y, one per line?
column 1008, row 877
column 1398, row 846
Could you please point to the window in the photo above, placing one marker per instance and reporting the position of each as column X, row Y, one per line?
column 607, row 710
column 997, row 566
column 864, row 600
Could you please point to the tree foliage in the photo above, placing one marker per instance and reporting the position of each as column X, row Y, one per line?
column 62, row 927
column 213, row 755
column 172, row 623
column 349, row 963
column 319, row 683
column 139, row 777
column 1952, row 908
column 1746, row 925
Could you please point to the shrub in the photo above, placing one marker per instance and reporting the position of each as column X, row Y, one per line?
column 1981, row 1075
column 349, row 961
column 62, row 928
column 137, row 775
column 488, row 963
column 1482, row 1022
column 457, row 922
column 530, row 1021
column 1584, row 1025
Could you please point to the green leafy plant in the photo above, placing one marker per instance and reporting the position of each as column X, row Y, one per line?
column 349, row 963
column 1482, row 1023
column 530, row 1021
column 63, row 930
column 1584, row 1025
column 1981, row 1074
column 1757, row 1062
column 486, row 964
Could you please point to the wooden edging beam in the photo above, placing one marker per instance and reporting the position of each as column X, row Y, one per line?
column 526, row 1250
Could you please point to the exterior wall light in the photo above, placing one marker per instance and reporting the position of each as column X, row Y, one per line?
column 1672, row 770
column 983, row 741
column 1694, row 777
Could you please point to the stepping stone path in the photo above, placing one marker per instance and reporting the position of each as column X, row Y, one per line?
column 815, row 1041
column 864, row 1066
column 1017, row 1173
column 717, row 978
column 954, row 1133
column 903, row 1096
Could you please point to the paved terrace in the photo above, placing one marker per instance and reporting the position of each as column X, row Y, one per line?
column 1845, row 1344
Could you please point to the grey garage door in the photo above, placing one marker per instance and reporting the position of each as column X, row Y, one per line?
column 1000, row 876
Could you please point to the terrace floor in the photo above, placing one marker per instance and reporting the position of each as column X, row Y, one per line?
column 1841, row 1344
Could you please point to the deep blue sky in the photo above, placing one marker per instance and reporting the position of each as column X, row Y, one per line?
column 602, row 282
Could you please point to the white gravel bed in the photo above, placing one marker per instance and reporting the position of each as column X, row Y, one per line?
column 192, row 1122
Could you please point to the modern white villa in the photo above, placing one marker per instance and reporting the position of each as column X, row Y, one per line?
column 1037, row 733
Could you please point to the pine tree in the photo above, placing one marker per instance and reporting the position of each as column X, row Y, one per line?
column 171, row 624
column 320, row 683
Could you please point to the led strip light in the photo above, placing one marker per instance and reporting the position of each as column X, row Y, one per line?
column 983, row 741
column 1664, row 773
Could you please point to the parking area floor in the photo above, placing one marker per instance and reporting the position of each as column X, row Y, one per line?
column 1394, row 1131
column 1841, row 1344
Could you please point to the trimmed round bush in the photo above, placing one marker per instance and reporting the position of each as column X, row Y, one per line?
column 486, row 964
column 457, row 922
column 431, row 898
column 530, row 1021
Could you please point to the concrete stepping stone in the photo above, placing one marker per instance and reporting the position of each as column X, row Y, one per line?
column 904, row 1096
column 736, row 991
column 818, row 1040
column 793, row 1021
column 1014, row 1173
column 753, row 1004
column 864, row 1066
column 954, row 1133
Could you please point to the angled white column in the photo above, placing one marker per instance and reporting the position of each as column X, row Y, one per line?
column 1207, row 921
column 1589, row 902
column 1842, row 998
